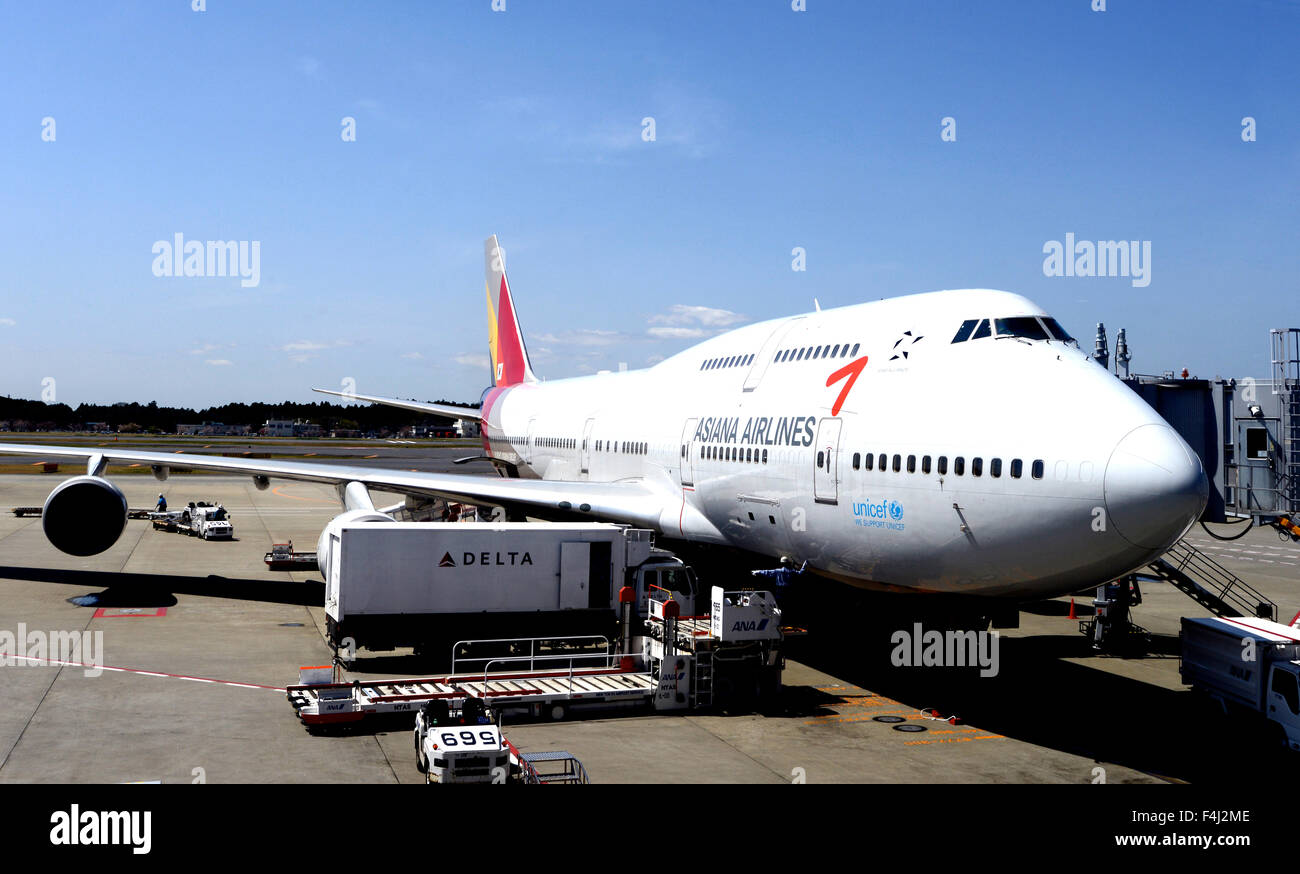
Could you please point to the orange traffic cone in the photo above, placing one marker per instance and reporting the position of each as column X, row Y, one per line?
column 1072, row 615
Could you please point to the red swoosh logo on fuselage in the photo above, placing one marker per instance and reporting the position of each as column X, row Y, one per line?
column 852, row 370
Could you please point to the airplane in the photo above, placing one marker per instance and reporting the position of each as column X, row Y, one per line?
column 946, row 443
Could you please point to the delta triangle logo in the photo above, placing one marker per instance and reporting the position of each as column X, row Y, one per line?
column 446, row 560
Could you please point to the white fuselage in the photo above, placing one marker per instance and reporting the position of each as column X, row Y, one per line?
column 1090, row 482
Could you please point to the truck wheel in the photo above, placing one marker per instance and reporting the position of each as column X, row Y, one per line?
column 421, row 763
column 557, row 712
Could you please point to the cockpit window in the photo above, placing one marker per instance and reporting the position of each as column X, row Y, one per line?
column 963, row 333
column 1022, row 326
column 1058, row 333
column 1028, row 327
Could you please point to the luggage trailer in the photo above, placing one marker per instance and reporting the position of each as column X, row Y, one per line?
column 679, row 664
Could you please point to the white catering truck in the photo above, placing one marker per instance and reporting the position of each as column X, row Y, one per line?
column 1247, row 664
column 431, row 584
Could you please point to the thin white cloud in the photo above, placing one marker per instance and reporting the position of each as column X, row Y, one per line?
column 472, row 360
column 220, row 362
column 685, row 314
column 584, row 337
column 304, row 346
column 8, row 323
column 412, row 356
column 667, row 332
column 303, row 351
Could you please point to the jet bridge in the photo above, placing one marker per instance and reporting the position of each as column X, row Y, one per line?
column 1246, row 432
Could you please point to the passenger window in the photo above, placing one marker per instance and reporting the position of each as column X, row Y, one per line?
column 898, row 463
column 976, row 467
column 963, row 333
column 765, row 456
column 869, row 459
column 982, row 331
column 925, row 464
column 820, row 458
column 881, row 463
column 995, row 467
column 1037, row 469
column 911, row 464
column 958, row 466
column 855, row 348
column 943, row 465
column 857, row 460
column 1017, row 467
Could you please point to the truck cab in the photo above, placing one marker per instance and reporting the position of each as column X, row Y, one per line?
column 663, row 576
column 1284, row 700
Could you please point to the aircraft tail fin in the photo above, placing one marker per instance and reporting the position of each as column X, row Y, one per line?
column 509, row 356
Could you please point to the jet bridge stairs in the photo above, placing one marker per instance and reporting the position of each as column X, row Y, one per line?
column 1210, row 584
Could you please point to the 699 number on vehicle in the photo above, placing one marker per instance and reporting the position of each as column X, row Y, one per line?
column 452, row 739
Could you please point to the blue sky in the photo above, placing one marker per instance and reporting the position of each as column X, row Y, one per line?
column 774, row 129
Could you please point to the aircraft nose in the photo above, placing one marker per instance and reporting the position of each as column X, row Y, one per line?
column 1155, row 486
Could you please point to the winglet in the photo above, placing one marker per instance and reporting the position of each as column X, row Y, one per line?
column 510, row 365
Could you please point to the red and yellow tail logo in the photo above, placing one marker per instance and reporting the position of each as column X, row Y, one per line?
column 509, row 356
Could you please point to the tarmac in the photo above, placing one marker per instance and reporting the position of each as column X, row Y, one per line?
column 198, row 639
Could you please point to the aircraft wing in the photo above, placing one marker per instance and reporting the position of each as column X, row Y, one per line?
column 449, row 410
column 633, row 501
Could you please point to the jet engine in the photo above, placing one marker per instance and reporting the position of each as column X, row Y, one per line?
column 84, row 515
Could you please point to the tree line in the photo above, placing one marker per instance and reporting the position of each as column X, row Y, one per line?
column 39, row 416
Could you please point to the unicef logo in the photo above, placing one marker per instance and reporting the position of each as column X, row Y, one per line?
column 895, row 510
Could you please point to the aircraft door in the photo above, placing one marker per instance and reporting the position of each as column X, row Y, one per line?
column 826, row 462
column 586, row 445
column 686, row 453
column 764, row 356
